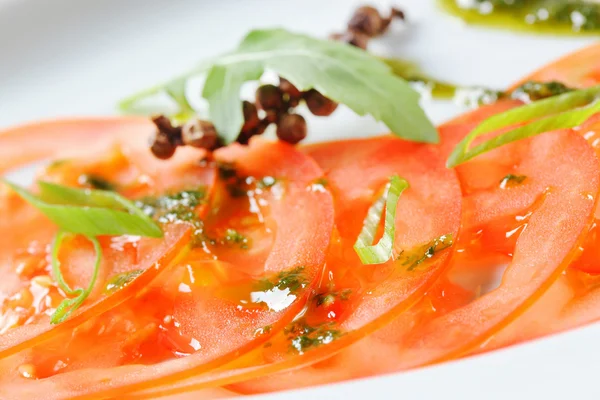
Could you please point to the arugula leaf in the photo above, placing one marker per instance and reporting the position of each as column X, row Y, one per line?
column 89, row 212
column 339, row 71
column 222, row 91
column 175, row 89
column 381, row 252
column 560, row 112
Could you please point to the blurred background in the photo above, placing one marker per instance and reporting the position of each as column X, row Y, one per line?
column 79, row 57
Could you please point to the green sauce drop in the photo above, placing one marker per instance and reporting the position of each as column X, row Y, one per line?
column 566, row 17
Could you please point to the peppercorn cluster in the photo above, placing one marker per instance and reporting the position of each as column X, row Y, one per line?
column 273, row 104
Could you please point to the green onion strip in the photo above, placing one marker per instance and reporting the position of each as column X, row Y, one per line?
column 381, row 252
column 78, row 296
column 560, row 112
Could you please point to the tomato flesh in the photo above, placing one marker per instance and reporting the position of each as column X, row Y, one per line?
column 189, row 304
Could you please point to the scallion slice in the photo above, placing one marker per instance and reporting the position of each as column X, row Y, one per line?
column 89, row 212
column 78, row 296
column 560, row 112
column 381, row 252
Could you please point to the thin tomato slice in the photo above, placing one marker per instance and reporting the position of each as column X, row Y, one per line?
column 275, row 182
column 555, row 229
column 354, row 300
column 561, row 205
column 580, row 69
column 152, row 256
column 26, row 304
column 68, row 138
column 573, row 301
column 363, row 358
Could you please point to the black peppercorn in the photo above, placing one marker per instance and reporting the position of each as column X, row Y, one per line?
column 291, row 128
column 367, row 20
column 164, row 125
column 318, row 104
column 161, row 146
column 245, row 136
column 269, row 98
column 272, row 116
column 289, row 89
column 251, row 119
column 397, row 13
column 200, row 134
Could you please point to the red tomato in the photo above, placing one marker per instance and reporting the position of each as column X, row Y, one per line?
column 580, row 69
column 24, row 255
column 190, row 310
column 354, row 300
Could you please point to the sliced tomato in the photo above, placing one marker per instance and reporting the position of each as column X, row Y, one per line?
column 561, row 205
column 571, row 302
column 354, row 300
column 66, row 138
column 200, row 301
column 151, row 257
column 580, row 69
column 555, row 229
column 365, row 357
column 25, row 252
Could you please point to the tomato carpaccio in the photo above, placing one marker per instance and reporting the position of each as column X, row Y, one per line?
column 256, row 286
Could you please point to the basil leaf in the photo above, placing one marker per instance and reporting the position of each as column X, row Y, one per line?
column 382, row 251
column 89, row 212
column 339, row 71
column 573, row 109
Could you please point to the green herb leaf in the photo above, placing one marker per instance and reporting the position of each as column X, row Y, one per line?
column 89, row 212
column 78, row 296
column 222, row 91
column 174, row 88
column 560, row 112
column 339, row 71
column 382, row 251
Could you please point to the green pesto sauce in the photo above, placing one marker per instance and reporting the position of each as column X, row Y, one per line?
column 567, row 17
column 533, row 91
column 96, row 182
column 512, row 180
column 121, row 280
column 326, row 299
column 472, row 96
column 292, row 280
column 243, row 186
column 420, row 255
column 176, row 207
column 304, row 337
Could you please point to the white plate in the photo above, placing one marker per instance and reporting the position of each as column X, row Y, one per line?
column 78, row 57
